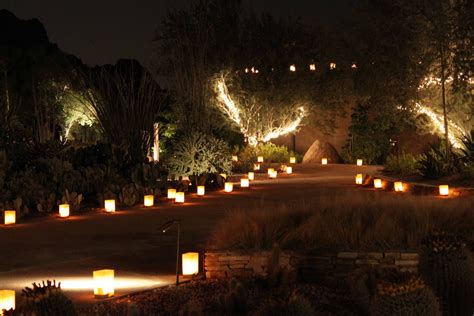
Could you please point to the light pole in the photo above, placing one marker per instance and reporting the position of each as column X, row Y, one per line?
column 164, row 228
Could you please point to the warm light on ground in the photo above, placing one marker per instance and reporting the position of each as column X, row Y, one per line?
column 64, row 210
column 398, row 186
column 378, row 183
column 10, row 217
column 444, row 190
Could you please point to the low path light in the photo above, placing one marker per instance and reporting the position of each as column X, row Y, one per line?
column 164, row 228
column 359, row 178
column 109, row 206
column 251, row 176
column 289, row 170
column 179, row 198
column 171, row 194
column 228, row 187
column 201, row 190
column 148, row 200
column 235, row 158
column 378, row 183
column 244, row 183
column 292, row 159
column 190, row 263
column 324, row 161
column 359, row 162
column 398, row 186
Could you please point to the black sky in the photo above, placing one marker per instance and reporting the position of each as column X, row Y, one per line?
column 102, row 31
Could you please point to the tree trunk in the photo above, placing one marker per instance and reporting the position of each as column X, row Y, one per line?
column 443, row 92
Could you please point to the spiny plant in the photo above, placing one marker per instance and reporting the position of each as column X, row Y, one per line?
column 235, row 301
column 403, row 294
column 447, row 266
column 46, row 299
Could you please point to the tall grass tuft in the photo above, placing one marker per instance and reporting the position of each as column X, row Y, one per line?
column 351, row 221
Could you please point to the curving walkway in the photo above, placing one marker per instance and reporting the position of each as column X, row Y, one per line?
column 128, row 241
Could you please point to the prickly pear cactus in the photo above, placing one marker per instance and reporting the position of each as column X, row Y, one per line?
column 46, row 299
column 404, row 294
column 447, row 266
column 73, row 199
column 129, row 195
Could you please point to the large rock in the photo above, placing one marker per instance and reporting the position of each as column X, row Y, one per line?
column 321, row 149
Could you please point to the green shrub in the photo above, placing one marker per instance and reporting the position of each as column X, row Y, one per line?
column 467, row 152
column 405, row 164
column 199, row 154
column 439, row 162
column 269, row 151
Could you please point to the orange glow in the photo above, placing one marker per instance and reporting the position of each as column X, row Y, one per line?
column 235, row 158
column 149, row 200
column 260, row 159
column 179, row 197
column 378, row 183
column 398, row 186
column 292, row 68
column 229, row 187
column 244, row 183
column 201, row 190
column 64, row 210
column 103, row 283
column 359, row 162
column 359, row 178
column 10, row 218
column 312, row 67
column 332, row 66
column 292, row 159
column 324, row 161
column 444, row 190
column 273, row 174
column 289, row 170
column 109, row 206
column 171, row 194
column 251, row 176
column 256, row 167
column 7, row 300
column 190, row 263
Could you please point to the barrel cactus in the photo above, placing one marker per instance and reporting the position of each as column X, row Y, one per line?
column 447, row 266
column 404, row 294
column 46, row 299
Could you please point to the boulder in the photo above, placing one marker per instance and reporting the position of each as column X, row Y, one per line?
column 321, row 149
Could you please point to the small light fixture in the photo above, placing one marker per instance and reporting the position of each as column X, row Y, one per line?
column 103, row 283
column 171, row 194
column 354, row 65
column 359, row 178
column 332, row 66
column 201, row 190
column 235, row 158
column 270, row 171
column 292, row 68
column 312, row 67
column 64, row 210
column 289, row 170
column 292, row 159
column 260, row 159
column 223, row 175
column 7, row 300
column 251, row 176
column 359, row 162
column 378, row 183
column 398, row 186
column 190, row 262
column 273, row 174
column 109, row 206
column 244, row 183
column 444, row 190
column 324, row 161
column 179, row 197
column 148, row 200
column 9, row 218
column 256, row 167
column 229, row 186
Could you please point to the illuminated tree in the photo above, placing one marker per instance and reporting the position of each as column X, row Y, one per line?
column 259, row 116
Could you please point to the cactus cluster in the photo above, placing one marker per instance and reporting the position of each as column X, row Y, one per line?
column 73, row 199
column 447, row 266
column 46, row 299
column 404, row 294
column 129, row 195
column 235, row 301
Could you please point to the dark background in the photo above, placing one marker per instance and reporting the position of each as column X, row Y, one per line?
column 102, row 31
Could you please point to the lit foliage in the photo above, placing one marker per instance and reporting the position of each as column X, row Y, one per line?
column 199, row 154
column 76, row 111
column 258, row 119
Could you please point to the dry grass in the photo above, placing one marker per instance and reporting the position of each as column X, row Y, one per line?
column 365, row 222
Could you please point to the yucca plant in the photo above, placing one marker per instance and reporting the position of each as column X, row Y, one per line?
column 467, row 152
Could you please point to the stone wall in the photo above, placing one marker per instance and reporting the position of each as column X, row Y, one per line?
column 227, row 264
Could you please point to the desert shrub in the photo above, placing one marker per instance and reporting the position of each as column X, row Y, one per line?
column 355, row 222
column 439, row 162
column 199, row 154
column 269, row 151
column 405, row 164
column 467, row 152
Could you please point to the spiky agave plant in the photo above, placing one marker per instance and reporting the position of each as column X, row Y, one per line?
column 46, row 299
